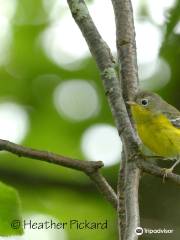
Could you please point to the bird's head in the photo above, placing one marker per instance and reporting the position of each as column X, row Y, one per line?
column 145, row 103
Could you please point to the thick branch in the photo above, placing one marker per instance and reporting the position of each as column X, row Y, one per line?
column 126, row 47
column 131, row 200
column 121, row 197
column 90, row 168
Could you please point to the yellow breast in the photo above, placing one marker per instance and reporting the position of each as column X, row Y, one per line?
column 156, row 132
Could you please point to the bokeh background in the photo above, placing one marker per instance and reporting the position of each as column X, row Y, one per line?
column 52, row 98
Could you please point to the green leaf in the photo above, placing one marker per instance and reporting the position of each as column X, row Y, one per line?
column 10, row 216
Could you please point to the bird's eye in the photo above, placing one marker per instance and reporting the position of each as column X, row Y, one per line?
column 144, row 102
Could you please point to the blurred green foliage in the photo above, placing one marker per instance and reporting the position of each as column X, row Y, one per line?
column 30, row 79
column 10, row 211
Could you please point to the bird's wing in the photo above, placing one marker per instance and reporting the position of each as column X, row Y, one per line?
column 174, row 118
column 175, row 121
column 172, row 113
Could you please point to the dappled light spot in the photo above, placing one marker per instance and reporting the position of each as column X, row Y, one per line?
column 159, row 66
column 5, row 39
column 45, row 234
column 147, row 51
column 147, row 70
column 8, row 8
column 161, row 75
column 76, row 100
column 54, row 8
column 177, row 28
column 158, row 9
column 102, row 142
column 63, row 42
column 7, row 11
column 104, row 21
column 14, row 122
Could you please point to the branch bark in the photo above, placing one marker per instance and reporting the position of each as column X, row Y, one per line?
column 126, row 46
column 90, row 168
column 121, row 209
column 127, row 58
column 157, row 171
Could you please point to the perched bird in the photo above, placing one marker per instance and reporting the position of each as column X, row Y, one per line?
column 158, row 125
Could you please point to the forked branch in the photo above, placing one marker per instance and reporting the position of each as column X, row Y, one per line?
column 90, row 168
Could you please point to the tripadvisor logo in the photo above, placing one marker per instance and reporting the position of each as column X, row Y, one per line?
column 139, row 231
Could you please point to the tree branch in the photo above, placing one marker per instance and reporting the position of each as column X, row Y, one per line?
column 90, row 168
column 104, row 60
column 126, row 46
column 105, row 63
column 157, row 171
column 127, row 58
column 121, row 209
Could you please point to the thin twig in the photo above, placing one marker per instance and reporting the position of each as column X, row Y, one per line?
column 90, row 168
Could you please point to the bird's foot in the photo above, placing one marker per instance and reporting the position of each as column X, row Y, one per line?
column 166, row 171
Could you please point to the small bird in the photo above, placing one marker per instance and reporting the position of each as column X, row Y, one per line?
column 158, row 125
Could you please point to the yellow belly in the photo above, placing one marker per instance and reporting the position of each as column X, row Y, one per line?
column 161, row 138
column 156, row 132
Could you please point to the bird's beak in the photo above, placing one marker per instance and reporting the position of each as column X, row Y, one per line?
column 131, row 103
